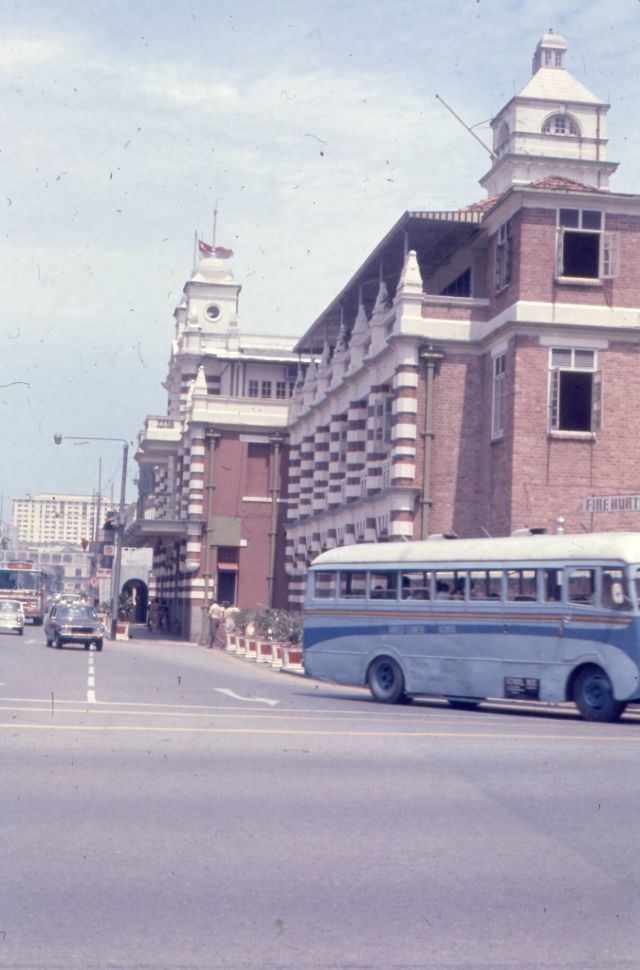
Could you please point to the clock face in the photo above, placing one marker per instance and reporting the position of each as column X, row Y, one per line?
column 213, row 311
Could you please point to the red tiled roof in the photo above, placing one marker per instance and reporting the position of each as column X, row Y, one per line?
column 563, row 184
column 554, row 182
column 483, row 206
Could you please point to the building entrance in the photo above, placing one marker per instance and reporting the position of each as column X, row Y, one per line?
column 226, row 587
column 135, row 595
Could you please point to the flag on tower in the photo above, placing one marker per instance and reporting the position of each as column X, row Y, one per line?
column 220, row 251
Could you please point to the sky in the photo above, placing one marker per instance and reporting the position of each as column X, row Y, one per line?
column 310, row 126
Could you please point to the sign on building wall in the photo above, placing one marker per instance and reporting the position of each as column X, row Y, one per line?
column 611, row 503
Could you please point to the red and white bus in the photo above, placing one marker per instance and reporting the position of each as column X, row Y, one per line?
column 29, row 584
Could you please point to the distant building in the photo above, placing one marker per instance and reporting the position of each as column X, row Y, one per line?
column 212, row 476
column 57, row 518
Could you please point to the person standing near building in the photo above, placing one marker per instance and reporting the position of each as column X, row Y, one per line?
column 216, row 616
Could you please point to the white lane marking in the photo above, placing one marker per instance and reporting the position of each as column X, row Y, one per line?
column 239, row 697
column 91, row 680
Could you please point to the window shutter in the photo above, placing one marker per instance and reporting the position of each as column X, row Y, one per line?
column 596, row 401
column 554, row 399
column 610, row 254
column 560, row 252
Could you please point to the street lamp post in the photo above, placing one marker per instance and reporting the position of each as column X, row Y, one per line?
column 117, row 559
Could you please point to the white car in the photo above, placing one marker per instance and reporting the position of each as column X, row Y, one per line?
column 11, row 616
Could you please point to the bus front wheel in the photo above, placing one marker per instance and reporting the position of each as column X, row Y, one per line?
column 593, row 695
column 386, row 681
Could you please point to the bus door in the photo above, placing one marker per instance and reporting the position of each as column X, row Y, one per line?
column 534, row 616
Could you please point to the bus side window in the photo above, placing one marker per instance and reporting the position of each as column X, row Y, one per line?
column 521, row 585
column 324, row 586
column 383, row 586
column 485, row 584
column 415, row 585
column 613, row 590
column 353, row 585
column 581, row 586
column 552, row 585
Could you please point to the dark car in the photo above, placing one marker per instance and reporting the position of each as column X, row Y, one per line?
column 73, row 623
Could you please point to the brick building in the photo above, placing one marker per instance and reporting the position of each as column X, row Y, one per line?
column 212, row 482
column 477, row 373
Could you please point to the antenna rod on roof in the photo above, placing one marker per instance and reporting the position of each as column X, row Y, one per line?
column 215, row 224
column 492, row 154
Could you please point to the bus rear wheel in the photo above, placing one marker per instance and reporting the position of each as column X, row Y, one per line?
column 593, row 695
column 386, row 681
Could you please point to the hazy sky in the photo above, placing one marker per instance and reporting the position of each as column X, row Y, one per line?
column 314, row 125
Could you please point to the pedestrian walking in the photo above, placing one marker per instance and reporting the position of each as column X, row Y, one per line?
column 216, row 617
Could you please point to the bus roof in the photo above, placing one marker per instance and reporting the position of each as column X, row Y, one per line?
column 585, row 547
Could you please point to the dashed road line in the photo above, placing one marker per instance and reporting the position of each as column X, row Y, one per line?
column 91, row 680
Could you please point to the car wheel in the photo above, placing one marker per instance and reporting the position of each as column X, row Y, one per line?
column 593, row 695
column 385, row 680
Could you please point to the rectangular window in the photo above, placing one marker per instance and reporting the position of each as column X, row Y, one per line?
column 485, row 584
column 257, row 478
column 281, row 389
column 266, row 389
column 575, row 390
column 497, row 415
column 383, row 586
column 415, row 585
column 449, row 585
column 551, row 585
column 521, row 585
column 254, row 388
column 584, row 250
column 324, row 586
column 353, row 585
column 388, row 419
column 581, row 586
column 503, row 256
column 614, row 595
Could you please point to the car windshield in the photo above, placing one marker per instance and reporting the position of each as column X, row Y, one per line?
column 10, row 607
column 76, row 613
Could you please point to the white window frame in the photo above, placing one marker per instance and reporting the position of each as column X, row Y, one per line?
column 561, row 124
column 504, row 245
column 498, row 387
column 554, row 390
column 608, row 247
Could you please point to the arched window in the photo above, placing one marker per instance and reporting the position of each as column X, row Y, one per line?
column 562, row 124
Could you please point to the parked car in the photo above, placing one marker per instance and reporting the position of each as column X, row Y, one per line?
column 11, row 616
column 73, row 623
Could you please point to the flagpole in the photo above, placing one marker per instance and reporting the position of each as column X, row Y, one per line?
column 215, row 224
column 195, row 250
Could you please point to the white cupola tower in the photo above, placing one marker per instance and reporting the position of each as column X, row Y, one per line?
column 210, row 299
column 554, row 127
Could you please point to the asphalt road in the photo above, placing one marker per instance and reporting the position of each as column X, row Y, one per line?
column 166, row 806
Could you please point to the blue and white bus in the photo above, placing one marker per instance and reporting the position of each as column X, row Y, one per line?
column 545, row 617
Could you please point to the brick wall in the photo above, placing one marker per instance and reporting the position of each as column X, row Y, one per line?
column 552, row 476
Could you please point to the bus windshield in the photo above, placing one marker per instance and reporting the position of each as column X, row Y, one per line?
column 19, row 579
